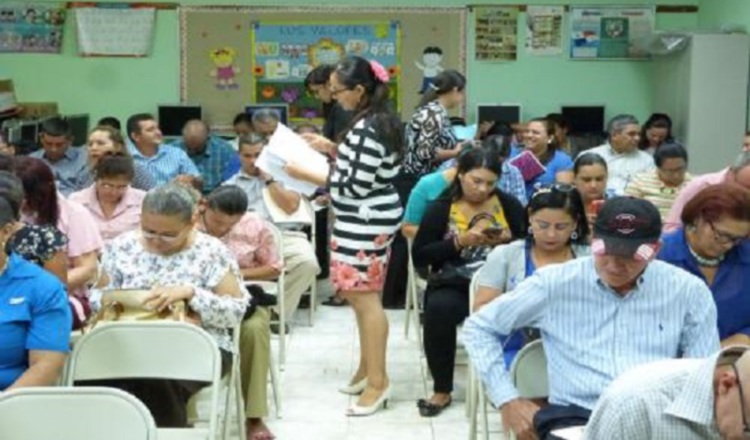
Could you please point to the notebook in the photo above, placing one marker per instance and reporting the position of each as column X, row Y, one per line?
column 529, row 165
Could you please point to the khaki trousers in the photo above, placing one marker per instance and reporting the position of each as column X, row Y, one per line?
column 300, row 267
column 255, row 349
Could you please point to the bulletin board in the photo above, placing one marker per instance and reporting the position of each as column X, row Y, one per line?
column 610, row 32
column 284, row 53
column 217, row 58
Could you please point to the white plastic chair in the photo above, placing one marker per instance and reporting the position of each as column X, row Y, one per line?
column 277, row 288
column 475, row 392
column 86, row 413
column 313, row 242
column 412, row 298
column 156, row 349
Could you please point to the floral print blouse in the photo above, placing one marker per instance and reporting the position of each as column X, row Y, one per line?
column 203, row 265
column 37, row 244
column 429, row 129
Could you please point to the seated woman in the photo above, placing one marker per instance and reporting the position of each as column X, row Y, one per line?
column 539, row 139
column 559, row 232
column 177, row 262
column 35, row 318
column 223, row 214
column 657, row 130
column 112, row 202
column 42, row 245
column 713, row 246
column 454, row 237
column 44, row 206
column 663, row 184
column 590, row 178
column 103, row 141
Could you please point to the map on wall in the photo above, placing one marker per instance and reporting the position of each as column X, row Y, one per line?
column 609, row 32
column 284, row 53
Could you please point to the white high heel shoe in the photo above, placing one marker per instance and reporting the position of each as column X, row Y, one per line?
column 361, row 411
column 354, row 389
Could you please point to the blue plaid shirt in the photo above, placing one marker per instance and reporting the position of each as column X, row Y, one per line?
column 71, row 171
column 168, row 163
column 215, row 162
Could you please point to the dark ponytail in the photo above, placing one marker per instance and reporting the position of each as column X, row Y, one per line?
column 443, row 83
column 375, row 105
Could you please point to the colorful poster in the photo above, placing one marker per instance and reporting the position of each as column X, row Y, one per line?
column 608, row 32
column 544, row 30
column 31, row 27
column 115, row 29
column 283, row 54
column 495, row 33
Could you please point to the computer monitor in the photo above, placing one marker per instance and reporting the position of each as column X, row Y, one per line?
column 29, row 132
column 584, row 119
column 281, row 109
column 79, row 128
column 172, row 118
column 506, row 113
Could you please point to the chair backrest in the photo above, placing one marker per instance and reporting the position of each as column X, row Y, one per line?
column 156, row 349
column 473, row 287
column 278, row 239
column 304, row 213
column 86, row 413
column 529, row 371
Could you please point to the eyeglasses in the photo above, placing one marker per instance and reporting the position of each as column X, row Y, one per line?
column 559, row 187
column 111, row 187
column 722, row 237
column 745, row 427
column 162, row 237
column 335, row 92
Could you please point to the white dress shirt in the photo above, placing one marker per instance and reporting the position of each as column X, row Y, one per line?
column 622, row 166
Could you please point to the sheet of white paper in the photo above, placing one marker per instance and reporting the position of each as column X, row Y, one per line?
column 287, row 146
column 574, row 433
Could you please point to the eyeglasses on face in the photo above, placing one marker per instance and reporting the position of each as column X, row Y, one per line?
column 161, row 237
column 722, row 237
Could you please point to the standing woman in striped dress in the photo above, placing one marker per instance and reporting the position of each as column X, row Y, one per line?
column 368, row 214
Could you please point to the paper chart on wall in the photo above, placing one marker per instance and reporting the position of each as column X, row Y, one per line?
column 31, row 27
column 495, row 33
column 287, row 146
column 544, row 30
column 608, row 32
column 104, row 31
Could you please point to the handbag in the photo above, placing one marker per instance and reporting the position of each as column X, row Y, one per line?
column 129, row 305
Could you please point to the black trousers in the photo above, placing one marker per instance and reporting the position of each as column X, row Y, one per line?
column 553, row 417
column 445, row 308
column 166, row 399
column 322, row 246
column 394, row 288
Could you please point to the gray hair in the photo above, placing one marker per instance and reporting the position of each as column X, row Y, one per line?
column 741, row 162
column 618, row 123
column 171, row 199
column 266, row 115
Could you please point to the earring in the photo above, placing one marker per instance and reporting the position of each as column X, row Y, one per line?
column 531, row 231
column 574, row 236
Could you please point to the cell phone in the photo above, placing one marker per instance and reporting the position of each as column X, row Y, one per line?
column 493, row 232
column 596, row 206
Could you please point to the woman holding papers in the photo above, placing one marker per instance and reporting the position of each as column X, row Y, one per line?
column 368, row 214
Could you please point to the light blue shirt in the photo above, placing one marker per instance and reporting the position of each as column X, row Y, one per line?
column 70, row 171
column 168, row 163
column 591, row 334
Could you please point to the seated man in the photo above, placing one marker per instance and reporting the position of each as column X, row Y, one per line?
column 223, row 214
column 598, row 316
column 624, row 159
column 164, row 162
column 677, row 399
column 68, row 163
column 300, row 263
column 213, row 156
column 265, row 121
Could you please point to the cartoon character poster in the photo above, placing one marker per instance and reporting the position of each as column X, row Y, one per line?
column 283, row 54
column 31, row 27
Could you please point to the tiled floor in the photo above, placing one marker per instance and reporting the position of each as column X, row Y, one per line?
column 321, row 358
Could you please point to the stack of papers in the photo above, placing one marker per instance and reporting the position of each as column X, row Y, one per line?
column 287, row 146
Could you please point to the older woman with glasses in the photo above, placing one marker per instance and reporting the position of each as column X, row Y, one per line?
column 714, row 247
column 112, row 202
column 169, row 256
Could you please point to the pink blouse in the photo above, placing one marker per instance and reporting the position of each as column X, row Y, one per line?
column 126, row 217
column 253, row 243
column 80, row 228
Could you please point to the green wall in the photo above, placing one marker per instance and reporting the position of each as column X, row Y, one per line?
column 103, row 86
column 714, row 14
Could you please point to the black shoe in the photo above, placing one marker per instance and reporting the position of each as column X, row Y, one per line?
column 304, row 302
column 275, row 327
column 335, row 301
column 429, row 409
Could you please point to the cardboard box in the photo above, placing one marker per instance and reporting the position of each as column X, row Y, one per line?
column 37, row 110
column 7, row 95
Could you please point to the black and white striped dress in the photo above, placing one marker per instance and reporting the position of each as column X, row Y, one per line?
column 367, row 210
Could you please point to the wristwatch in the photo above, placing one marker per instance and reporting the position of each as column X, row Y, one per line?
column 270, row 181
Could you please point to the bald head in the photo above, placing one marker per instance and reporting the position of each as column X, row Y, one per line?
column 195, row 135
